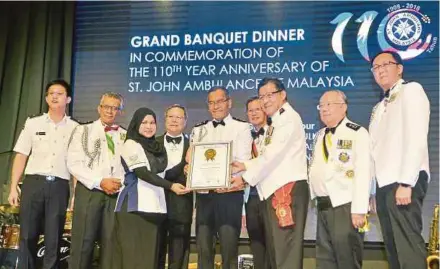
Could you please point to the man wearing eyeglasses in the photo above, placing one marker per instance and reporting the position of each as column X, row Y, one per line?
column 399, row 135
column 339, row 178
column 94, row 159
column 177, row 227
column 219, row 212
column 279, row 174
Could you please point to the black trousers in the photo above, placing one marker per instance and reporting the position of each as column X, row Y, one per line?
column 137, row 239
column 255, row 227
column 285, row 245
column 93, row 220
column 338, row 244
column 402, row 225
column 42, row 208
column 218, row 214
column 176, row 232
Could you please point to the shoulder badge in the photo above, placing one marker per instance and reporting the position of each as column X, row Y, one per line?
column 237, row 119
column 282, row 110
column 407, row 81
column 36, row 115
column 353, row 126
column 202, row 123
column 86, row 123
column 75, row 120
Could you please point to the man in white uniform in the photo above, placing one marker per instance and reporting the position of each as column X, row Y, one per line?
column 220, row 212
column 45, row 191
column 94, row 159
column 280, row 176
column 399, row 136
column 339, row 178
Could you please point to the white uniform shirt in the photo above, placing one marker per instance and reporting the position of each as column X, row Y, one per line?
column 89, row 160
column 345, row 177
column 234, row 130
column 150, row 198
column 399, row 135
column 284, row 159
column 174, row 151
column 46, row 142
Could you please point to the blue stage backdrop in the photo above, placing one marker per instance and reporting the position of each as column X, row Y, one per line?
column 161, row 53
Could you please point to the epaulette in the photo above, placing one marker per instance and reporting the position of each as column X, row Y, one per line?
column 75, row 120
column 36, row 115
column 407, row 81
column 122, row 127
column 202, row 123
column 239, row 119
column 353, row 126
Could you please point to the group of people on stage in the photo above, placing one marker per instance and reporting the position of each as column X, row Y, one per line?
column 130, row 190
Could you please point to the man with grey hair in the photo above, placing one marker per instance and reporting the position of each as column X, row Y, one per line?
column 339, row 178
column 94, row 159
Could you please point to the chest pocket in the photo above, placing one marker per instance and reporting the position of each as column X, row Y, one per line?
column 40, row 142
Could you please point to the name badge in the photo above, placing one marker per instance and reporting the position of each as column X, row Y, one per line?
column 344, row 144
column 40, row 133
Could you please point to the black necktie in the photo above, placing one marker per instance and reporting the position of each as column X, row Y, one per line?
column 174, row 140
column 217, row 123
column 256, row 134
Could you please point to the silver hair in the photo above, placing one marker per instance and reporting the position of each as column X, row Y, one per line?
column 341, row 93
column 114, row 95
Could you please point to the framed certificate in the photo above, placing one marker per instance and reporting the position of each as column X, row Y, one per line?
column 209, row 167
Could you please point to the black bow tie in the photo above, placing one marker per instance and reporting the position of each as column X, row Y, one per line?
column 217, row 123
column 174, row 140
column 384, row 95
column 256, row 134
column 330, row 130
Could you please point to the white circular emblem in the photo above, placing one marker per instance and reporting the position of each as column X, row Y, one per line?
column 404, row 28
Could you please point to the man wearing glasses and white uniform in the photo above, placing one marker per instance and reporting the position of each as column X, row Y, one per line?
column 94, row 159
column 399, row 135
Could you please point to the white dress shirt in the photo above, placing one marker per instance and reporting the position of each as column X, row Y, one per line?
column 46, row 142
column 150, row 198
column 399, row 135
column 345, row 177
column 234, row 130
column 284, row 159
column 89, row 160
column 174, row 151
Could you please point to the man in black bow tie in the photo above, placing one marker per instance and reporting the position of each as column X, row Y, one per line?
column 177, row 227
column 399, row 129
column 254, row 206
column 341, row 157
column 94, row 159
column 220, row 212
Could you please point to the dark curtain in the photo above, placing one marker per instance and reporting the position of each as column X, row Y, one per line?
column 35, row 47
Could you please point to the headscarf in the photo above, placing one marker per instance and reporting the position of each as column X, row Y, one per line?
column 155, row 151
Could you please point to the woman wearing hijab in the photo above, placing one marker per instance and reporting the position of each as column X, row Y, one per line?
column 141, row 205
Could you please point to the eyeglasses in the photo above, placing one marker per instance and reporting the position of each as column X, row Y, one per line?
column 218, row 102
column 110, row 108
column 376, row 67
column 321, row 106
column 268, row 95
